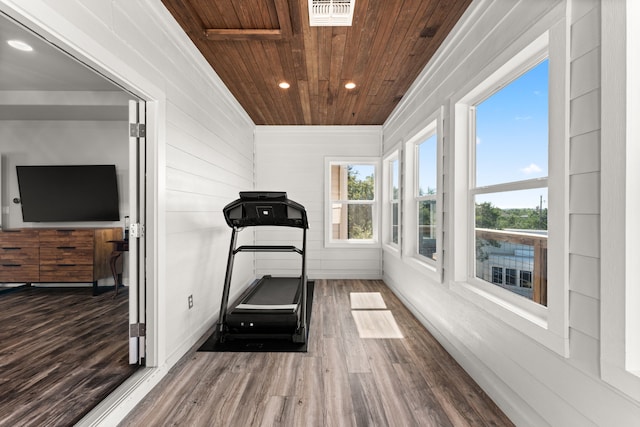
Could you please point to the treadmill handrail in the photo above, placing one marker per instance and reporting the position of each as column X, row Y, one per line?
column 268, row 248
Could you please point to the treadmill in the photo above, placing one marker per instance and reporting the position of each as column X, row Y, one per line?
column 272, row 307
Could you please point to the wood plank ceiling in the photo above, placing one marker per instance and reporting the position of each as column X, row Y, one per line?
column 255, row 44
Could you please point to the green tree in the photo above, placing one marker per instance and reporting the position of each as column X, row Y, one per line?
column 492, row 217
column 487, row 215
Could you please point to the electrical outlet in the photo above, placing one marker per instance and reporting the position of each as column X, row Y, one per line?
column 190, row 299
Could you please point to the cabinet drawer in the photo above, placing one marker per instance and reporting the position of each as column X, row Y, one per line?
column 19, row 238
column 66, row 255
column 14, row 272
column 66, row 273
column 71, row 237
column 16, row 255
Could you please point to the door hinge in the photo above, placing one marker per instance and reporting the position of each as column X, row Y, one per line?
column 137, row 330
column 136, row 230
column 137, row 130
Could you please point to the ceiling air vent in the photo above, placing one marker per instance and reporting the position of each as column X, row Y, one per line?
column 331, row 13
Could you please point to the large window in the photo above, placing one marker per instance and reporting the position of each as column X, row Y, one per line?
column 392, row 172
column 422, row 219
column 509, row 188
column 425, row 196
column 352, row 202
column 510, row 251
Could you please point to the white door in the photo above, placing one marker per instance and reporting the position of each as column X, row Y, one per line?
column 137, row 183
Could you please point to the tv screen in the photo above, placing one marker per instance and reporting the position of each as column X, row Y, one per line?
column 68, row 193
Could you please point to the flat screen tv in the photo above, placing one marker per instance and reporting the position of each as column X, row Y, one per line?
column 68, row 193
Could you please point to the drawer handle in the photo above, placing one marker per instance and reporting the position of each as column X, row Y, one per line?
column 11, row 249
column 12, row 265
column 66, row 265
column 66, row 247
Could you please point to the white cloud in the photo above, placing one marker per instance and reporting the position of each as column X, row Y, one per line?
column 523, row 118
column 478, row 140
column 532, row 168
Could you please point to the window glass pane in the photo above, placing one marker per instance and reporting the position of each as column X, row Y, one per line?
column 511, row 234
column 427, row 170
column 496, row 275
column 360, row 182
column 351, row 221
column 360, row 221
column 395, row 180
column 427, row 228
column 394, row 222
column 512, row 130
column 338, row 221
column 525, row 279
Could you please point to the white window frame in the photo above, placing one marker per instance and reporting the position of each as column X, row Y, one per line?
column 387, row 200
column 620, row 230
column 329, row 242
column 535, row 54
column 433, row 268
column 547, row 325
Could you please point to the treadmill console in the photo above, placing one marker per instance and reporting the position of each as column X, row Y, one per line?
column 255, row 208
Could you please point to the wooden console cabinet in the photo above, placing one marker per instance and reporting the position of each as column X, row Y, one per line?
column 56, row 255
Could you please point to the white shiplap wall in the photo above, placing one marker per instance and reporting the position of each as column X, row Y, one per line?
column 200, row 153
column 584, row 186
column 533, row 385
column 292, row 159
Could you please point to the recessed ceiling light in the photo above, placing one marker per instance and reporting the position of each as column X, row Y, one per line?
column 284, row 85
column 350, row 85
column 17, row 44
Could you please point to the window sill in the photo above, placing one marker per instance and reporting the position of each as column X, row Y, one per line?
column 627, row 382
column 353, row 244
column 392, row 250
column 520, row 315
column 424, row 267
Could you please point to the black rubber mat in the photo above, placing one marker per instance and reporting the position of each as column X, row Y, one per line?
column 262, row 344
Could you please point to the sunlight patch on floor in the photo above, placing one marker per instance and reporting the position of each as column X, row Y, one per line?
column 367, row 301
column 376, row 324
column 372, row 318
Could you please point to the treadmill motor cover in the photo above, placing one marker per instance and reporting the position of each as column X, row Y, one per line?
column 255, row 208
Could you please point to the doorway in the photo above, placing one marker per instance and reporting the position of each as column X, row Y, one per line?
column 59, row 110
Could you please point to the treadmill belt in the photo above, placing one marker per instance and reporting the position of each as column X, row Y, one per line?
column 273, row 293
column 261, row 343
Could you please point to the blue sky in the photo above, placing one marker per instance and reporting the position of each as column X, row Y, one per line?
column 427, row 154
column 512, row 129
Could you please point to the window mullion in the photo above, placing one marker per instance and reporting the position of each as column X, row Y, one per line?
column 529, row 184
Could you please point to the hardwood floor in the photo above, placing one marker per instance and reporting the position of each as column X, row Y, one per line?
column 61, row 352
column 343, row 380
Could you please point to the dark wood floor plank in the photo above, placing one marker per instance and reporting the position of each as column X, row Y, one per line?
column 388, row 385
column 416, row 392
column 342, row 380
column 62, row 351
column 310, row 395
column 367, row 403
column 337, row 391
